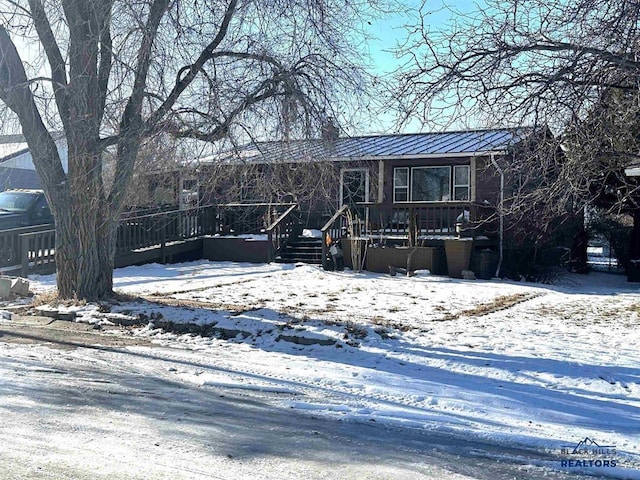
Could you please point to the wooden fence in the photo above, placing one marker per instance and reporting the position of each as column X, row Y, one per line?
column 152, row 236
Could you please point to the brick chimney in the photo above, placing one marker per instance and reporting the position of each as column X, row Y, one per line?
column 329, row 130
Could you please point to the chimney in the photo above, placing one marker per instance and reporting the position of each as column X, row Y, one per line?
column 329, row 131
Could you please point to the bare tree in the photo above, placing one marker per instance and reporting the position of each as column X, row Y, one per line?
column 112, row 73
column 570, row 70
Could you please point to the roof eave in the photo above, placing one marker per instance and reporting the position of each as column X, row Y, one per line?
column 367, row 158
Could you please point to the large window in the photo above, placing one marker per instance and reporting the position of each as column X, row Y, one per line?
column 431, row 184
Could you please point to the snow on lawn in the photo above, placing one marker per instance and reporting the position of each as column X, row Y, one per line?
column 517, row 363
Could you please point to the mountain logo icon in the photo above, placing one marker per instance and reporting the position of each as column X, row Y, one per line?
column 589, row 445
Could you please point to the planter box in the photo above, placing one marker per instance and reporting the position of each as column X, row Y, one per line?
column 379, row 259
column 458, row 255
column 235, row 250
column 345, row 243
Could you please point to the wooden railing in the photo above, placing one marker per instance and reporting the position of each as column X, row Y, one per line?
column 144, row 231
column 11, row 244
column 239, row 218
column 334, row 228
column 29, row 248
column 282, row 229
column 38, row 250
column 437, row 219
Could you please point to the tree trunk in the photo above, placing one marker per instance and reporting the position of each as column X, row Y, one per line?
column 85, row 251
column 85, row 228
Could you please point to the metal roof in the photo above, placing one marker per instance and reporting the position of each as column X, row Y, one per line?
column 463, row 143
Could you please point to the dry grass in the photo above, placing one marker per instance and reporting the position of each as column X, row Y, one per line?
column 51, row 298
column 500, row 303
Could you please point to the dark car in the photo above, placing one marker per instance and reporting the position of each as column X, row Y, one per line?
column 23, row 208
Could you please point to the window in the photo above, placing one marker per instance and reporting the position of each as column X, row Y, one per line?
column 461, row 182
column 431, row 184
column 355, row 186
column 401, row 184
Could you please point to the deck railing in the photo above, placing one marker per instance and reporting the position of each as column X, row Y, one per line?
column 38, row 250
column 423, row 220
column 25, row 248
column 11, row 244
column 420, row 221
column 435, row 219
column 31, row 248
column 335, row 228
column 285, row 227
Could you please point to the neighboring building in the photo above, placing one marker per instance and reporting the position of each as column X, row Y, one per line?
column 16, row 165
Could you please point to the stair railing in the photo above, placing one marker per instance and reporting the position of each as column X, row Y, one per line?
column 282, row 229
column 334, row 229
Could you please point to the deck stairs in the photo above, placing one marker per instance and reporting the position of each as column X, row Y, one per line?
column 301, row 250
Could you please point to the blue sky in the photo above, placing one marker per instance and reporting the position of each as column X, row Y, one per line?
column 390, row 31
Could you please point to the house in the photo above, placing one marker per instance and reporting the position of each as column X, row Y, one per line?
column 433, row 172
column 16, row 165
column 402, row 188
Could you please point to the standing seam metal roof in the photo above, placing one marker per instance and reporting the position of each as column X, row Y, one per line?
column 399, row 145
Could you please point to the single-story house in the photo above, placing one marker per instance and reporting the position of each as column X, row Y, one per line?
column 440, row 175
column 417, row 189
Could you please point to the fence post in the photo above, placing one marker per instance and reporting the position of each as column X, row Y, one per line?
column 163, row 244
column 271, row 254
column 24, row 249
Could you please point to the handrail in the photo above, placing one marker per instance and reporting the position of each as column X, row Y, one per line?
column 282, row 228
column 324, row 230
column 271, row 204
column 337, row 215
column 125, row 216
column 281, row 218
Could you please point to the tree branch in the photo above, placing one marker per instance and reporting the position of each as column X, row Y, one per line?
column 106, row 56
column 56, row 62
column 131, row 124
column 182, row 82
column 15, row 93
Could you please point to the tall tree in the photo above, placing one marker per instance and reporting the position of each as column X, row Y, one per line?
column 111, row 73
column 571, row 67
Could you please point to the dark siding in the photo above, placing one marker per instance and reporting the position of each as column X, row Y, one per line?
column 11, row 178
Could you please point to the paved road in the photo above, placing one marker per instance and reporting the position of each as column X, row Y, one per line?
column 78, row 404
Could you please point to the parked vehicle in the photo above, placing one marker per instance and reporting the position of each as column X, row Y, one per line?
column 23, row 208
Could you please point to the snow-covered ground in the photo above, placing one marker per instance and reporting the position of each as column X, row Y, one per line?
column 514, row 363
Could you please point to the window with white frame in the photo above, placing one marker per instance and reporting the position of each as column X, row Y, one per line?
column 354, row 186
column 401, row 184
column 431, row 184
column 461, row 182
